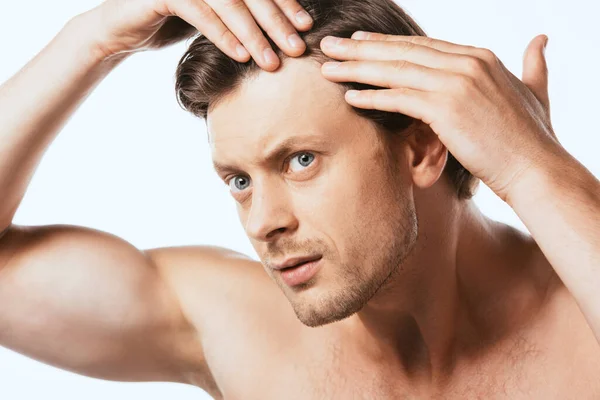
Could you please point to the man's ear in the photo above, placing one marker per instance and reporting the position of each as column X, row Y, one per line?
column 426, row 155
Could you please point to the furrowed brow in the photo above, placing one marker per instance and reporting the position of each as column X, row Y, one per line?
column 276, row 153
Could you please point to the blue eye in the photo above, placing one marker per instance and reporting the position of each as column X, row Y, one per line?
column 304, row 159
column 238, row 181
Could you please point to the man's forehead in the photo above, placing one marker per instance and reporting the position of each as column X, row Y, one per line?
column 296, row 99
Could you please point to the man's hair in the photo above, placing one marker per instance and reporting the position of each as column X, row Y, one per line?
column 206, row 75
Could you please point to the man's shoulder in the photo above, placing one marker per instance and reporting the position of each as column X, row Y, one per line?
column 229, row 298
column 199, row 256
column 205, row 268
column 209, row 280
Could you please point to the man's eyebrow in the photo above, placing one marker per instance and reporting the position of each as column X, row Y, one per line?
column 275, row 153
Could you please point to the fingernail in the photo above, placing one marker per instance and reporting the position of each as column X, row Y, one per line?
column 359, row 35
column 295, row 41
column 241, row 51
column 270, row 56
column 352, row 94
column 330, row 66
column 303, row 17
column 331, row 41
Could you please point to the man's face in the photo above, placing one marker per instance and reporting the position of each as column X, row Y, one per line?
column 337, row 191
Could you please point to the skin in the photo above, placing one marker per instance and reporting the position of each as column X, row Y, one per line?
column 419, row 295
column 499, row 128
column 402, row 290
column 348, row 170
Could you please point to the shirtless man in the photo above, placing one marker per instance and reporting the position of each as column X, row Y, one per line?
column 413, row 292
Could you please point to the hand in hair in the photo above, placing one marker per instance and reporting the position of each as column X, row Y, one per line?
column 495, row 125
column 498, row 127
column 234, row 26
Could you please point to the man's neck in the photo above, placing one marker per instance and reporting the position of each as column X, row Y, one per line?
column 443, row 303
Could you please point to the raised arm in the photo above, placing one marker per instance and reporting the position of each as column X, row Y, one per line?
column 498, row 127
column 73, row 297
column 82, row 299
column 91, row 303
column 559, row 201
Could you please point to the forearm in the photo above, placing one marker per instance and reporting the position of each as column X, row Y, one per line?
column 559, row 202
column 37, row 102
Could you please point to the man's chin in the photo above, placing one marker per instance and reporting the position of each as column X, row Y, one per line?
column 316, row 309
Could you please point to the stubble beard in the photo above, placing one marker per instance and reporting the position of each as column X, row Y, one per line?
column 357, row 286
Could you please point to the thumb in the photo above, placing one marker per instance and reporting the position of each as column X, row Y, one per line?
column 535, row 69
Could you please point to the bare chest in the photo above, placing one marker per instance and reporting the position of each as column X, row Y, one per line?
column 518, row 372
column 270, row 356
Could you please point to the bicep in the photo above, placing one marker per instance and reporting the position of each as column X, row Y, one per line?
column 90, row 302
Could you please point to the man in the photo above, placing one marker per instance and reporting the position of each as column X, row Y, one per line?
column 405, row 290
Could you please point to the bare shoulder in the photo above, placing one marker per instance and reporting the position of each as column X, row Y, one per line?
column 221, row 289
column 208, row 279
column 239, row 312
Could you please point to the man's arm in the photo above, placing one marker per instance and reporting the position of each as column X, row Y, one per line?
column 73, row 297
column 498, row 128
column 82, row 299
column 559, row 203
column 89, row 302
column 38, row 101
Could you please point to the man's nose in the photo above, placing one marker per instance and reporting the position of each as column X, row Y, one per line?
column 270, row 215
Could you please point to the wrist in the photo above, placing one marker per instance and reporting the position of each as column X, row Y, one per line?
column 84, row 35
column 554, row 168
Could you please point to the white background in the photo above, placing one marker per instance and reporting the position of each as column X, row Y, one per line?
column 132, row 163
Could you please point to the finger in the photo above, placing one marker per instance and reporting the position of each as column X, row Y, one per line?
column 277, row 25
column 348, row 49
column 242, row 24
column 202, row 17
column 535, row 70
column 468, row 60
column 387, row 74
column 296, row 14
column 410, row 102
column 420, row 40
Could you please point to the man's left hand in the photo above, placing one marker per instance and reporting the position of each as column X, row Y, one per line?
column 496, row 125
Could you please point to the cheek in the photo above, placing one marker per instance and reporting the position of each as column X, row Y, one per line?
column 242, row 214
column 353, row 207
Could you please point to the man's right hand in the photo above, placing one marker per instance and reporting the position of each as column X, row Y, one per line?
column 127, row 26
column 85, row 300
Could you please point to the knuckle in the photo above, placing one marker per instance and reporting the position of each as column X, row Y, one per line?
column 226, row 38
column 366, row 94
column 232, row 3
column 279, row 20
column 474, row 66
column 258, row 47
column 356, row 48
column 371, row 96
column 462, row 84
column 487, row 55
column 399, row 64
column 401, row 90
column 254, row 39
column 405, row 47
column 204, row 11
column 425, row 40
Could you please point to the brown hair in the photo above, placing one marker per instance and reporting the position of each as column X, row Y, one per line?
column 205, row 74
